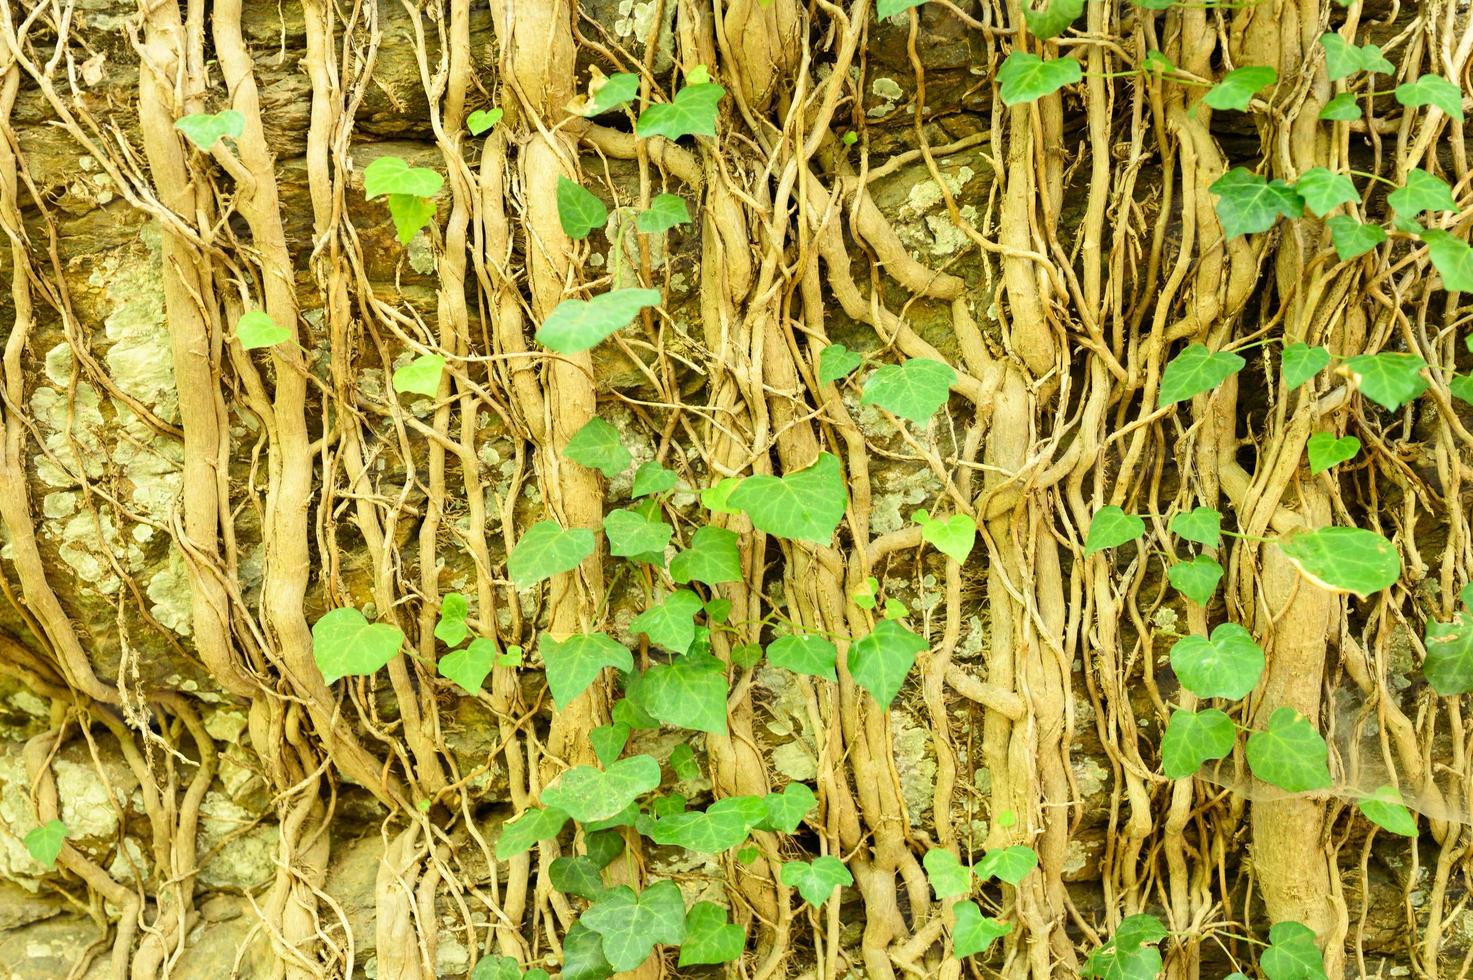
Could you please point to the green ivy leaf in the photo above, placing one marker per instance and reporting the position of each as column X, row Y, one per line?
column 204, row 130
column 1343, row 58
column 1452, row 257
column 1344, row 559
column 786, row 810
column 631, row 534
column 1351, row 238
column 451, row 629
column 391, row 175
column 973, row 932
column 720, row 827
column 712, row 558
column 468, row 667
column 410, row 214
column 44, row 843
column 579, row 210
column 835, row 361
column 1385, row 809
column 880, row 661
column 420, row 376
column 1196, row 370
column 1248, row 202
column 1324, row 190
column 255, row 330
column 1131, row 954
column 947, row 875
column 1433, row 90
column 806, row 506
column 1110, row 528
column 610, row 93
column 683, row 762
column 804, row 654
column 1196, row 579
column 709, row 938
column 1238, row 87
column 632, row 925
column 530, row 826
column 609, row 741
column 576, row 876
column 1325, row 450
column 1053, row 19
column 1342, row 108
column 1194, row 737
column 574, row 663
column 889, row 8
column 1302, row 362
column 482, row 120
column 1422, row 192
column 1226, row 666
column 666, row 212
column 952, row 537
column 913, row 390
column 602, row 846
column 1289, row 754
column 1389, row 379
column 598, row 447
column 651, row 478
column 1155, row 61
column 693, row 113
column 346, row 644
column 670, row 624
column 1448, row 666
column 1460, row 386
column 548, row 549
column 1009, row 864
column 1202, row 525
column 497, row 968
column 1292, row 954
column 589, row 795
column 583, row 955
column 816, row 880
column 575, row 325
column 689, row 693
column 1024, row 77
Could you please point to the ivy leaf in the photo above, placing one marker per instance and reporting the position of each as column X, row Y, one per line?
column 1110, row 528
column 1302, row 362
column 1344, row 559
column 805, row 653
column 588, row 795
column 1289, row 754
column 530, row 826
column 1389, row 379
column 1194, row 737
column 709, row 938
column 468, row 667
column 973, row 932
column 1155, row 61
column 420, row 376
column 632, row 534
column 1248, row 202
column 835, row 361
column 666, row 211
column 575, row 325
column 598, row 447
column 609, row 741
column 1343, row 58
column 786, row 810
column 345, row 644
column 1131, row 954
column 482, row 120
column 602, row 846
column 889, row 8
column 1325, row 450
column 816, row 880
column 806, row 506
column 583, row 955
column 204, row 130
column 1226, row 666
column 609, row 93
column 391, row 175
column 1385, row 809
column 1433, row 90
column 947, row 875
column 913, row 390
column 1009, row 864
column 720, row 827
column 1324, row 190
column 650, row 478
column 498, row 968
column 1342, row 108
column 579, row 210
column 44, row 842
column 1448, row 666
column 255, row 330
column 1351, row 238
column 1024, row 77
column 1452, row 257
column 410, row 214
column 548, row 549
column 451, row 629
column 576, row 876
column 1460, row 386
column 952, row 537
column 1200, row 524
column 574, row 663
column 632, row 925
column 1292, row 954
column 693, row 113
column 670, row 624
column 1238, row 87
column 712, row 558
column 1422, row 192
column 879, row 662
column 1053, row 19
column 689, row 693
column 1196, row 370
column 1196, row 579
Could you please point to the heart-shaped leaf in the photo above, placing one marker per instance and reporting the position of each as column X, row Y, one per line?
column 1196, row 370
column 1009, row 864
column 1292, row 954
column 1452, row 258
column 391, row 175
column 575, row 325
column 889, row 8
column 468, row 667
column 712, row 558
column 1422, row 192
column 1110, row 528
column 583, row 955
column 1053, row 19
column 972, row 932
column 816, row 879
column 786, row 810
column 1249, row 202
column 805, row 653
column 588, row 795
column 255, row 329
column 669, row 624
column 1385, row 809
column 575, row 662
column 1200, row 524
column 1238, row 87
column 578, row 210
column 632, row 925
column 1194, row 737
column 204, row 130
column 1024, row 77
column 410, row 214
column 609, row 741
column 836, row 361
column 1449, row 663
column 1433, row 90
column 807, row 505
column 346, row 644
column 880, row 661
column 1344, row 559
column 530, row 826
column 913, row 390
column 1289, row 754
column 1324, row 190
column 44, row 843
column 420, row 376
column 1196, row 579
column 482, row 120
column 1130, row 954
column 1325, row 450
column 1341, row 108
column 650, row 478
column 952, row 537
column 451, row 629
column 689, row 693
column 1302, row 362
column 709, row 938
column 631, row 534
column 548, row 549
column 692, row 113
column 721, row 826
column 598, row 447
column 576, row 876
column 1226, row 666
column 1352, row 238
column 666, row 211
column 947, row 875
column 1343, row 59
column 607, row 93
